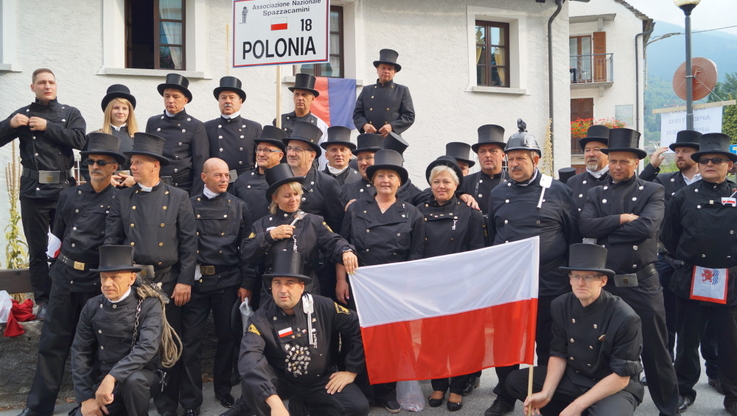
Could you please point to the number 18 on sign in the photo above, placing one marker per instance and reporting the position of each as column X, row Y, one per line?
column 271, row 32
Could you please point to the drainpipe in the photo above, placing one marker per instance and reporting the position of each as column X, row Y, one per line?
column 637, row 77
column 559, row 3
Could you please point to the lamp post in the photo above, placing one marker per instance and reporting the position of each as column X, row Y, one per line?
column 687, row 6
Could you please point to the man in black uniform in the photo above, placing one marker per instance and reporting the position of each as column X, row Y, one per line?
column 384, row 107
column 338, row 150
column 115, row 349
column 186, row 145
column 303, row 93
column 157, row 219
column 624, row 215
column 531, row 203
column 285, row 352
column 595, row 354
column 80, row 216
column 699, row 232
column 490, row 150
column 47, row 131
column 368, row 145
column 321, row 191
column 461, row 152
column 597, row 164
column 222, row 221
column 231, row 136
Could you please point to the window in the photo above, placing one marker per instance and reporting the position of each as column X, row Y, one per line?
column 492, row 54
column 155, row 34
column 580, row 67
column 334, row 68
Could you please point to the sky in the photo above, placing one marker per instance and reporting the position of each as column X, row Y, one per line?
column 709, row 14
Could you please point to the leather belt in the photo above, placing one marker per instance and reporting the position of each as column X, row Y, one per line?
column 76, row 265
column 646, row 271
column 153, row 271
column 548, row 267
column 178, row 179
column 47, row 176
column 211, row 270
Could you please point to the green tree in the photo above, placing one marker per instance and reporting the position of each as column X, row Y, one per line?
column 724, row 91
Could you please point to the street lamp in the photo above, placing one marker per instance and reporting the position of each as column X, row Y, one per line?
column 687, row 6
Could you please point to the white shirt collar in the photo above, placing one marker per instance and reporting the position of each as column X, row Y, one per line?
column 116, row 128
column 598, row 173
column 122, row 298
column 209, row 194
column 230, row 116
column 145, row 188
column 696, row 177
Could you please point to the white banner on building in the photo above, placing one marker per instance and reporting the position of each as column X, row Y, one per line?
column 275, row 32
column 705, row 120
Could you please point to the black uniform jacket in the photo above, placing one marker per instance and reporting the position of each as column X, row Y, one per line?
column 322, row 197
column 581, row 183
column 407, row 192
column 602, row 338
column 126, row 144
column 80, row 225
column 251, row 187
column 102, row 343
column 396, row 235
column 699, row 230
column 514, row 215
column 222, row 224
column 347, row 176
column 672, row 182
column 46, row 150
column 186, row 147
column 312, row 237
column 479, row 185
column 232, row 141
column 452, row 227
column 288, row 120
column 384, row 104
column 289, row 353
column 160, row 225
column 649, row 173
column 632, row 245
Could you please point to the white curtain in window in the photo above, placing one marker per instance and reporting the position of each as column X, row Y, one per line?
column 172, row 9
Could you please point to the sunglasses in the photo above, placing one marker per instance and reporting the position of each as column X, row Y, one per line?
column 100, row 163
column 713, row 160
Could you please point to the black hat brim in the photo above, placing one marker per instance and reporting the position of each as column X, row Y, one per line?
column 216, row 92
column 372, row 149
column 638, row 152
column 268, row 277
column 187, row 93
column 164, row 161
column 448, row 163
column 584, row 140
column 117, row 156
column 674, row 146
column 475, row 146
column 276, row 185
column 314, row 147
column 696, row 156
column 397, row 67
column 349, row 145
column 113, row 95
column 276, row 142
column 403, row 175
column 471, row 163
column 316, row 93
column 609, row 273
column 121, row 268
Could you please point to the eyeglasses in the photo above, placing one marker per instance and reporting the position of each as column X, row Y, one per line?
column 296, row 149
column 713, row 160
column 100, row 163
column 585, row 278
column 264, row 150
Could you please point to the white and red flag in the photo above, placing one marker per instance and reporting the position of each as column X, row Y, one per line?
column 449, row 315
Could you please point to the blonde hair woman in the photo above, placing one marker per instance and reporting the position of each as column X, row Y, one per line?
column 118, row 106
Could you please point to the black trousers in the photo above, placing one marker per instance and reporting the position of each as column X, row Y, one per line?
column 456, row 384
column 349, row 402
column 132, row 395
column 693, row 317
column 647, row 300
column 543, row 339
column 169, row 397
column 194, row 320
column 622, row 403
column 56, row 338
column 37, row 216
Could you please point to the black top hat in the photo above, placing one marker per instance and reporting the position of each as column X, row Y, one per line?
column 278, row 176
column 489, row 134
column 595, row 133
column 338, row 135
column 229, row 84
column 388, row 159
column 686, row 138
column 117, row 91
column 624, row 140
column 588, row 258
column 717, row 143
column 116, row 259
column 178, row 82
column 566, row 173
column 272, row 135
column 395, row 142
column 389, row 57
column 448, row 161
column 368, row 142
column 460, row 151
column 287, row 264
column 305, row 82
column 103, row 144
column 308, row 133
column 150, row 145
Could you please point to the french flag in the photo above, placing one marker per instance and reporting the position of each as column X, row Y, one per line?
column 336, row 101
column 449, row 315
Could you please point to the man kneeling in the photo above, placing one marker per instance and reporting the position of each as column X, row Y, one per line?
column 285, row 352
column 595, row 354
column 116, row 346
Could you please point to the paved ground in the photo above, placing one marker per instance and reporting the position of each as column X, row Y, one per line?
column 708, row 402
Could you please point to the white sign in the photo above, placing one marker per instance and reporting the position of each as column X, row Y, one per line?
column 270, row 32
column 705, row 120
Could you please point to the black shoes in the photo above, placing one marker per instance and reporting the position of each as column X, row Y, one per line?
column 226, row 400
column 435, row 402
column 453, row 407
column 473, row 383
column 391, row 406
column 717, row 385
column 684, row 402
column 499, row 407
column 191, row 412
column 41, row 314
column 169, row 413
column 240, row 408
column 29, row 412
column 732, row 409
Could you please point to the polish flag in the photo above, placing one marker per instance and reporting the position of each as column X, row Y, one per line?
column 279, row 23
column 449, row 315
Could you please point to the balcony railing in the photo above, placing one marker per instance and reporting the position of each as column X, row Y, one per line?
column 591, row 69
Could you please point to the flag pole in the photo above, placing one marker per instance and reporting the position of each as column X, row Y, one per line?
column 529, row 389
column 278, row 96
